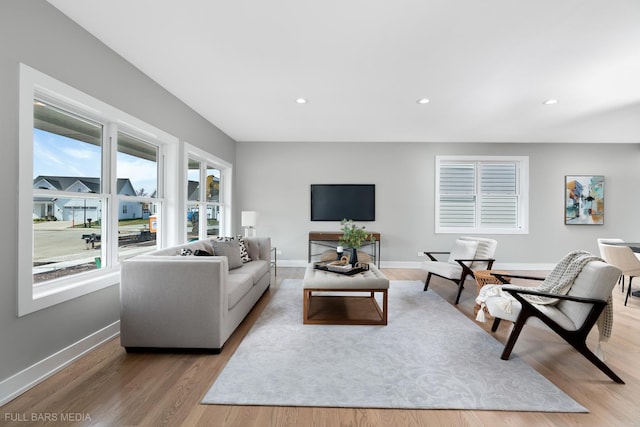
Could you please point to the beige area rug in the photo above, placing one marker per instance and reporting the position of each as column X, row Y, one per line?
column 429, row 356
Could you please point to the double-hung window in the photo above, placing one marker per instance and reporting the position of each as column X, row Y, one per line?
column 91, row 191
column 481, row 194
column 208, row 188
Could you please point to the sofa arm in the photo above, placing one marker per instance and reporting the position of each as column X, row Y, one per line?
column 172, row 301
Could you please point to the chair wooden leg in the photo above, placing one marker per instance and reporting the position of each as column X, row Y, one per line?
column 426, row 282
column 626, row 298
column 460, row 286
column 515, row 333
column 584, row 350
column 496, row 322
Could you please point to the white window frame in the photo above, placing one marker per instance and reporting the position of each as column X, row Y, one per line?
column 522, row 227
column 225, row 202
column 34, row 84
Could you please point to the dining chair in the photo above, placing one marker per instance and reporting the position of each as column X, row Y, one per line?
column 602, row 241
column 623, row 258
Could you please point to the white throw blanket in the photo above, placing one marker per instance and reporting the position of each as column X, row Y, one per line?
column 558, row 282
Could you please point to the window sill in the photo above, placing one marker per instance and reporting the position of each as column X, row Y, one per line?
column 55, row 292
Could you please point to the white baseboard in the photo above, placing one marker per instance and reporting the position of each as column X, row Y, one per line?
column 416, row 264
column 17, row 384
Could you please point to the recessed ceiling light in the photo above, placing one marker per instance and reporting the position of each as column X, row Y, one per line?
column 423, row 101
column 550, row 102
column 301, row 101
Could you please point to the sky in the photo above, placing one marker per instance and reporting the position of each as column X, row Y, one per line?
column 61, row 156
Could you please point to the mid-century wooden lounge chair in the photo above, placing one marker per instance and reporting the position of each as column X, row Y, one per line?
column 468, row 254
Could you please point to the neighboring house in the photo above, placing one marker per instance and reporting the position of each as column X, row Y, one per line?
column 80, row 209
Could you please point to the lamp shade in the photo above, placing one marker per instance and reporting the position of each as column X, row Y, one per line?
column 249, row 218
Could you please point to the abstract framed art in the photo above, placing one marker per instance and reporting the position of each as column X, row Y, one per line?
column 584, row 200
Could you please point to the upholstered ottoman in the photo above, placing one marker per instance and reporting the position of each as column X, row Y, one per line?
column 336, row 299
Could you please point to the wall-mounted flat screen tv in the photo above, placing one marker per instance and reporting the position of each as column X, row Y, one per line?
column 335, row 202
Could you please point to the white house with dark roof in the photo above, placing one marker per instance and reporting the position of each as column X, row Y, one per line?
column 80, row 209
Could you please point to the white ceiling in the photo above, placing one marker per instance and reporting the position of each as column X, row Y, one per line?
column 486, row 66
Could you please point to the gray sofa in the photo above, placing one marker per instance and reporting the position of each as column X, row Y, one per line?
column 170, row 301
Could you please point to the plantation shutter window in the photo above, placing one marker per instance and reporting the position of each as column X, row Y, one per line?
column 499, row 202
column 481, row 195
column 457, row 195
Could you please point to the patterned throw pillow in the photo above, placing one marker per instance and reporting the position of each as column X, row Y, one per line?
column 244, row 254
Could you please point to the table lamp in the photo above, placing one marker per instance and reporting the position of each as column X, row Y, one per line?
column 249, row 219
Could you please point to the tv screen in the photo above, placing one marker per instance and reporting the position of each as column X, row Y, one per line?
column 335, row 202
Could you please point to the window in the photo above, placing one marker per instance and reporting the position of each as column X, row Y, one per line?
column 208, row 188
column 137, row 194
column 89, row 188
column 482, row 194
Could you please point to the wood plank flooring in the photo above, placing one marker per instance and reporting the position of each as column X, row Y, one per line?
column 109, row 387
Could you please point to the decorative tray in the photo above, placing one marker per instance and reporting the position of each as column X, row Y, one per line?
column 347, row 269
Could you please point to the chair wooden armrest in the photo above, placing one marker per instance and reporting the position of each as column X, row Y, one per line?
column 431, row 253
column 515, row 292
column 500, row 276
column 468, row 269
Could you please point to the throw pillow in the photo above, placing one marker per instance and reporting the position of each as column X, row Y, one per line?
column 244, row 254
column 186, row 252
column 463, row 249
column 230, row 249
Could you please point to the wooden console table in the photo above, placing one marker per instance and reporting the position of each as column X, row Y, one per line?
column 329, row 239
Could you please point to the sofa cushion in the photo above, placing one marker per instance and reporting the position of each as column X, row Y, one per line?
column 256, row 269
column 231, row 250
column 237, row 287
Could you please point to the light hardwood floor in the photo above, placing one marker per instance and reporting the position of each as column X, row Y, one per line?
column 109, row 387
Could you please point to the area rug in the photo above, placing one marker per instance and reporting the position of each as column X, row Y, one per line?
column 429, row 356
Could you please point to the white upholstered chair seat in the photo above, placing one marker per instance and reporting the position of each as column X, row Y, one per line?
column 495, row 306
column 445, row 269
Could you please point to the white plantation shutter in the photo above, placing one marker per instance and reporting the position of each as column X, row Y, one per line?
column 498, row 200
column 480, row 195
column 457, row 195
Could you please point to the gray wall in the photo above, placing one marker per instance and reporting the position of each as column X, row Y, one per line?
column 35, row 33
column 274, row 179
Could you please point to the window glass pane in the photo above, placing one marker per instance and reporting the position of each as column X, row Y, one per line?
column 193, row 177
column 213, row 220
column 137, row 167
column 193, row 223
column 65, row 149
column 67, row 156
column 66, row 237
column 213, row 185
column 137, row 228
